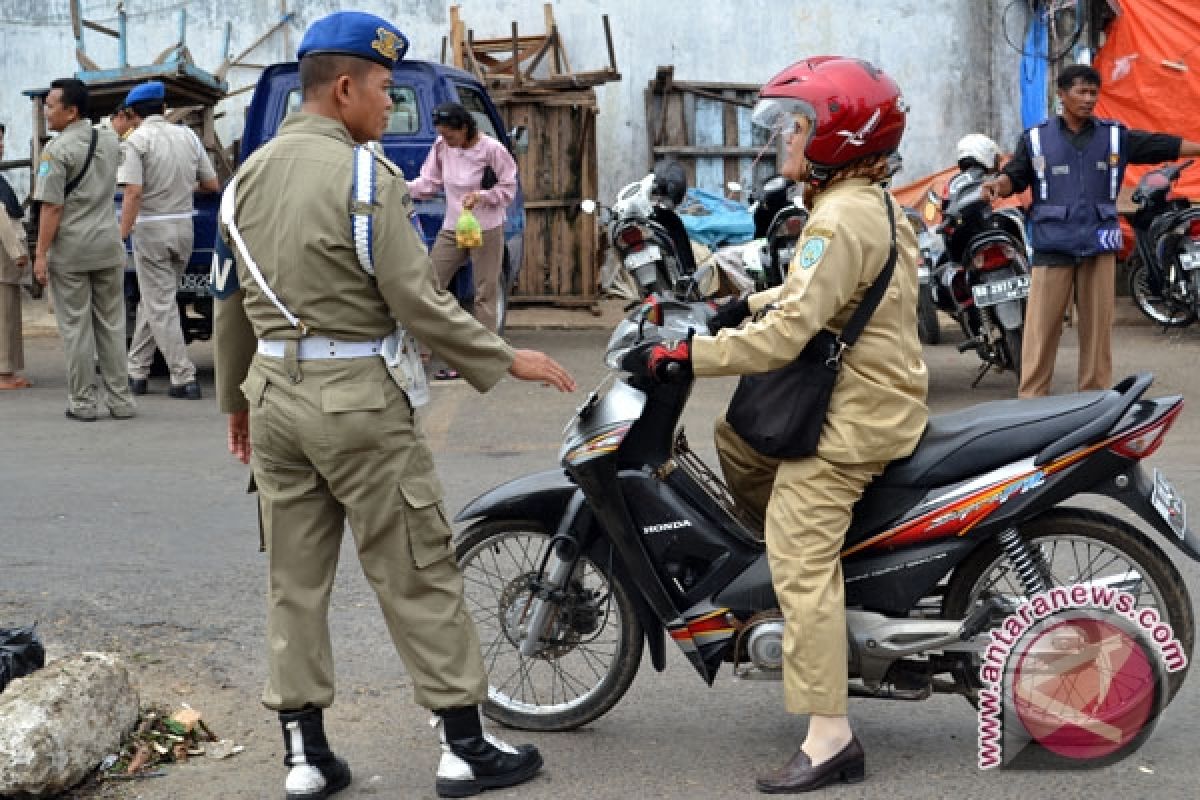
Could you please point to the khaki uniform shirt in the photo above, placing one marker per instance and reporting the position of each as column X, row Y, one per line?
column 12, row 247
column 88, row 236
column 878, row 411
column 167, row 161
column 293, row 211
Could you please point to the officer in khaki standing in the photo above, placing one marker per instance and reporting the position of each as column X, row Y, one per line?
column 79, row 252
column 841, row 119
column 331, row 436
column 161, row 166
column 14, row 267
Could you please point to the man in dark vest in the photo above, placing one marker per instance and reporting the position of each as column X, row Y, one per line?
column 1075, row 164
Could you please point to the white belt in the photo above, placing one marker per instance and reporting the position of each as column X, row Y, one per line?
column 156, row 217
column 315, row 348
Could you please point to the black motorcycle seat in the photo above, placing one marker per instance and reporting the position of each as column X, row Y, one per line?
column 963, row 443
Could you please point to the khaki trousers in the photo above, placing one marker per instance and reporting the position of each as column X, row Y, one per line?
column 342, row 445
column 161, row 249
column 806, row 504
column 486, row 264
column 90, row 310
column 12, row 349
column 1049, row 295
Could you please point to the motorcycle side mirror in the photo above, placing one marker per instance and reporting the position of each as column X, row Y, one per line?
column 519, row 136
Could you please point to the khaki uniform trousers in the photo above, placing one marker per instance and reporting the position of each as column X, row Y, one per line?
column 161, row 249
column 1049, row 295
column 806, row 504
column 342, row 444
column 90, row 310
column 12, row 348
column 486, row 264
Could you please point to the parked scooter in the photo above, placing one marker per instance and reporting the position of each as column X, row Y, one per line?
column 779, row 219
column 983, row 277
column 572, row 571
column 930, row 252
column 646, row 232
column 1164, row 275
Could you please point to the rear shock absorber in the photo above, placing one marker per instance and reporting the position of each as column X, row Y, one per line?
column 1030, row 567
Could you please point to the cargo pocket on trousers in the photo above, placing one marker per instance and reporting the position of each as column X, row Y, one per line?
column 425, row 522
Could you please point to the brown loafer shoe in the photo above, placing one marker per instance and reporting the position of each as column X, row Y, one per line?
column 799, row 775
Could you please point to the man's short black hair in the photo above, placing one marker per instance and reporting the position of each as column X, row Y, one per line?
column 74, row 94
column 146, row 108
column 1081, row 73
column 318, row 69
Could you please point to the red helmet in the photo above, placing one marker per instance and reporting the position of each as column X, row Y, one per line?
column 855, row 109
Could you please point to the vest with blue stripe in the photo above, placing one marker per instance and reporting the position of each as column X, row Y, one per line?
column 1075, row 191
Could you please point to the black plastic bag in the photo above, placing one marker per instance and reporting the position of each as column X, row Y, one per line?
column 21, row 653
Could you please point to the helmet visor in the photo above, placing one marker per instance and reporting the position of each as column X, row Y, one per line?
column 778, row 114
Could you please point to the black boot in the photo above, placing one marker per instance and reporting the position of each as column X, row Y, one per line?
column 473, row 761
column 315, row 772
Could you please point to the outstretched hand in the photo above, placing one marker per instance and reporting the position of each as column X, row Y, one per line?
column 534, row 365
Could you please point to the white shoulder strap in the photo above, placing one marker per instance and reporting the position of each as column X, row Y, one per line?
column 228, row 212
column 1114, row 161
column 362, row 206
column 1039, row 161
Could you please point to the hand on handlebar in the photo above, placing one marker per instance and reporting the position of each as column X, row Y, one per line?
column 665, row 362
column 730, row 314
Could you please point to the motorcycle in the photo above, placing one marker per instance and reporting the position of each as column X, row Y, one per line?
column 983, row 277
column 1164, row 275
column 647, row 234
column 570, row 573
column 931, row 249
column 779, row 219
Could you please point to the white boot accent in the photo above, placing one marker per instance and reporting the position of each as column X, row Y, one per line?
column 450, row 767
column 304, row 779
column 500, row 744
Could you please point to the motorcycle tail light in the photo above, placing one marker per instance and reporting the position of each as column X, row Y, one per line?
column 1193, row 229
column 631, row 238
column 1142, row 442
column 793, row 226
column 994, row 256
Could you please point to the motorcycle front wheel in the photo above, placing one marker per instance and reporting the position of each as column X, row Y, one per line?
column 928, row 330
column 592, row 645
column 1079, row 546
column 1167, row 312
column 1013, row 340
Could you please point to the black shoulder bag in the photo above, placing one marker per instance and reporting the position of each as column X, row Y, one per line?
column 35, row 206
column 780, row 413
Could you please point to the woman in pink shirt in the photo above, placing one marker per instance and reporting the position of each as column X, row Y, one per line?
column 476, row 173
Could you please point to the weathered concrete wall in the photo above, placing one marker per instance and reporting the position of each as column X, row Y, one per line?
column 949, row 55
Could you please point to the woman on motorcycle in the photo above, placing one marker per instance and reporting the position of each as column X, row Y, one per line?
column 841, row 119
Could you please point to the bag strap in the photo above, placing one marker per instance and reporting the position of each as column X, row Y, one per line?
column 870, row 302
column 87, row 162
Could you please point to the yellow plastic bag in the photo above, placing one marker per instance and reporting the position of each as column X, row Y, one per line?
column 467, row 233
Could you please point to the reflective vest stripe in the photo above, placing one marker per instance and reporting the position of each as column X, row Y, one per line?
column 1039, row 162
column 1114, row 161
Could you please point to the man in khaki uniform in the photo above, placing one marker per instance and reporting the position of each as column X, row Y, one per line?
column 333, row 438
column 79, row 252
column 161, row 165
column 841, row 119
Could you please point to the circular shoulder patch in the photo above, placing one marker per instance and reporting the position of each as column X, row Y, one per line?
column 812, row 251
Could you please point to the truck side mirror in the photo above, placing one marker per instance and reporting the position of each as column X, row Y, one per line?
column 519, row 136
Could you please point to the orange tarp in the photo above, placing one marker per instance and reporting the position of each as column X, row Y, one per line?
column 916, row 194
column 1150, row 68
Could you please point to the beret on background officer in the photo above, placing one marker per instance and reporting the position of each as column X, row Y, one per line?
column 146, row 91
column 330, row 276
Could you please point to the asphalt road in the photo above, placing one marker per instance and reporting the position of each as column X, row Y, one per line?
column 137, row 537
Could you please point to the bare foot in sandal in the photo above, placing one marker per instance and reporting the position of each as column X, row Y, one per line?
column 14, row 382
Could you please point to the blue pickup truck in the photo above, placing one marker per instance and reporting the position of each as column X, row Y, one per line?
column 418, row 87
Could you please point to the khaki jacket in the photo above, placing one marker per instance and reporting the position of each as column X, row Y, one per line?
column 878, row 408
column 293, row 211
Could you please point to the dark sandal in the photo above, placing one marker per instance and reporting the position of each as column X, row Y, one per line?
column 446, row 375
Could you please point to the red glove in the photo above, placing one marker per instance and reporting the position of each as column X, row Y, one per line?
column 654, row 360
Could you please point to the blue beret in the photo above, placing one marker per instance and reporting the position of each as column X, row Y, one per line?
column 146, row 92
column 354, row 33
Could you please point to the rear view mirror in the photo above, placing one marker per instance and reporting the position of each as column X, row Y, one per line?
column 519, row 137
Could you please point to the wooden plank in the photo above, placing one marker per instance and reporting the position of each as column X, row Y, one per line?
column 705, row 152
column 662, row 86
column 729, row 124
column 709, row 132
column 725, row 97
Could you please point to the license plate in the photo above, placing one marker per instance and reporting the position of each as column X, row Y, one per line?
column 189, row 282
column 1190, row 259
column 989, row 294
column 644, row 256
column 1169, row 504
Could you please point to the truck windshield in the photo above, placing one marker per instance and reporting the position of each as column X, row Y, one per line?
column 405, row 118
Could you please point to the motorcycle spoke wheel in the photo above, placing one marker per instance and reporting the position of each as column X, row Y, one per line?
column 1081, row 547
column 593, row 641
column 1168, row 312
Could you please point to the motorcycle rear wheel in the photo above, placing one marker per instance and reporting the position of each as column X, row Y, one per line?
column 1157, row 309
column 598, row 638
column 1013, row 341
column 1081, row 546
column 928, row 330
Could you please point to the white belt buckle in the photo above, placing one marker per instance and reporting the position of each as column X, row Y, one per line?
column 402, row 357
